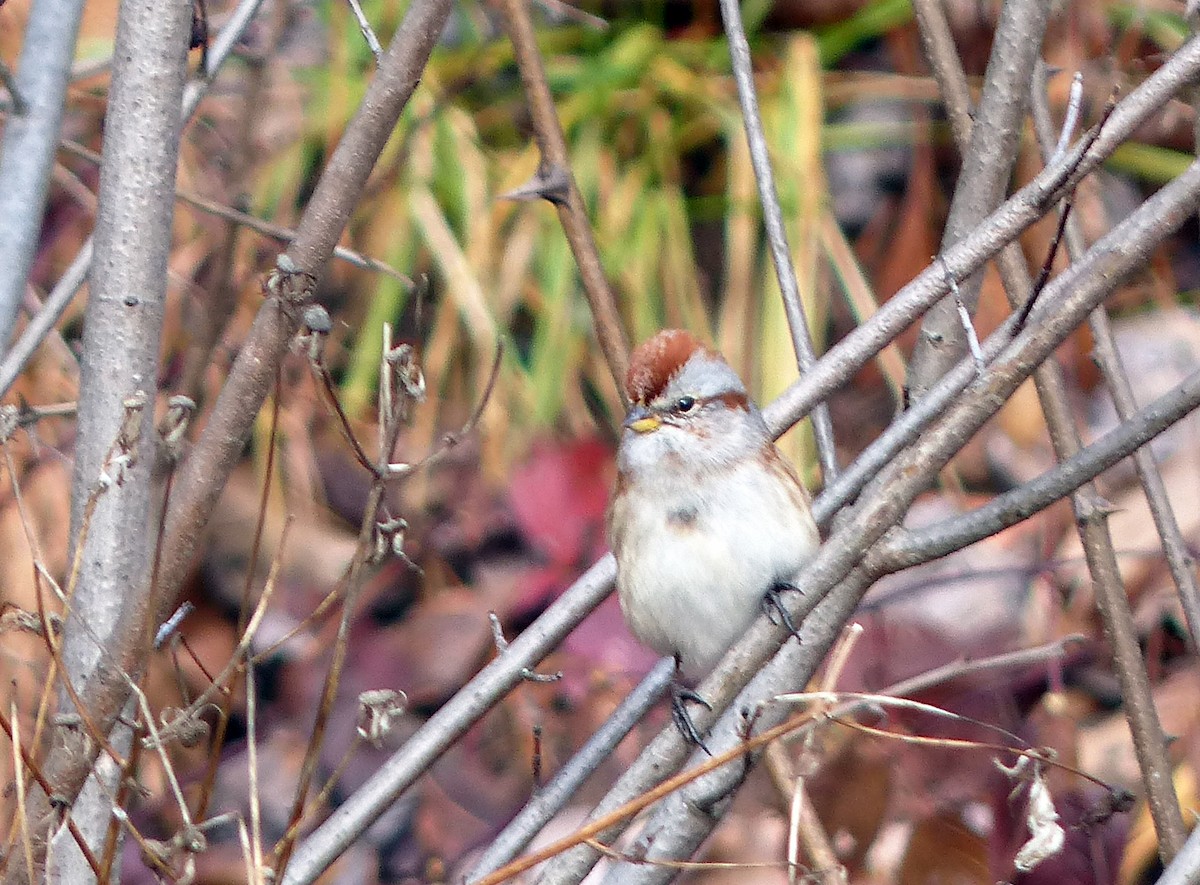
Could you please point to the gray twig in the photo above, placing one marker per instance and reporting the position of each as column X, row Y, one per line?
column 367, row 32
column 527, row 673
column 1071, row 120
column 1179, row 558
column 557, row 185
column 964, row 318
column 352, row 818
column 201, row 477
column 30, row 140
column 551, row 799
column 65, row 289
column 985, row 240
column 781, row 256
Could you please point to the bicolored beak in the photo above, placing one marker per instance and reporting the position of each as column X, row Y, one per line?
column 640, row 420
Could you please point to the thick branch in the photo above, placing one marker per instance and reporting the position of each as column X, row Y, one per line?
column 122, row 330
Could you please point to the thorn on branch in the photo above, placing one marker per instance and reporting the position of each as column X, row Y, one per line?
column 964, row 318
column 551, row 183
column 172, row 623
column 287, row 282
column 502, row 646
column 1092, row 508
column 173, row 428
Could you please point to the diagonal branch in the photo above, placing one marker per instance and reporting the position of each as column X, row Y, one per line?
column 781, row 254
column 556, row 183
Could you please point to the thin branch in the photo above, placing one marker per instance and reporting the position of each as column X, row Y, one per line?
column 450, row 722
column 921, row 545
column 27, row 149
column 555, row 795
column 70, row 282
column 988, row 162
column 1025, row 207
column 31, row 765
column 202, row 476
column 556, row 183
column 372, row 42
column 781, row 255
column 45, row 319
column 1179, row 559
column 352, row 818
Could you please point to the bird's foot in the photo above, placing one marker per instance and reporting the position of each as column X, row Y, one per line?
column 680, row 695
column 773, row 605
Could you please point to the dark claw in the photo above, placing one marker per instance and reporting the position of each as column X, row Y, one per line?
column 682, row 719
column 773, row 604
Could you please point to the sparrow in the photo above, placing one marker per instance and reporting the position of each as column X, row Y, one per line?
column 708, row 521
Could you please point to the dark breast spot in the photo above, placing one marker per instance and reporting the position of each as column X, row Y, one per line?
column 682, row 517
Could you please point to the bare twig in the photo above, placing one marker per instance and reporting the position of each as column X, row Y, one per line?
column 1071, row 120
column 1000, row 228
column 840, row 567
column 376, row 50
column 987, row 165
column 1179, row 558
column 781, row 256
column 964, row 318
column 18, row 755
column 842, row 361
column 31, row 765
column 69, row 284
column 527, row 673
column 551, row 798
column 556, row 183
column 1070, row 473
column 27, row 149
column 401, row 384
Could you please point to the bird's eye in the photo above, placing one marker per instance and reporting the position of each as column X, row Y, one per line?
column 685, row 403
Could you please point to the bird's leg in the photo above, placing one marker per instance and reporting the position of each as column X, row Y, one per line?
column 773, row 604
column 680, row 695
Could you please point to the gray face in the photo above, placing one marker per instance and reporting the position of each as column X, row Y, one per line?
column 707, row 421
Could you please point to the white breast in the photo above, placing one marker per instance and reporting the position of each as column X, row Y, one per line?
column 695, row 558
